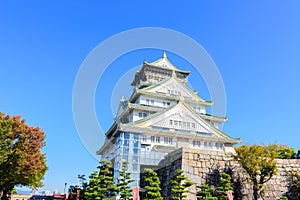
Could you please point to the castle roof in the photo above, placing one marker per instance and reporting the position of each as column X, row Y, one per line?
column 181, row 112
column 171, row 84
column 164, row 63
column 160, row 69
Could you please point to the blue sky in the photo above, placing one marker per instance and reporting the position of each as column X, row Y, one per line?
column 255, row 45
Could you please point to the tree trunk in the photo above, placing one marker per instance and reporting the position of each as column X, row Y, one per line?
column 255, row 193
column 6, row 194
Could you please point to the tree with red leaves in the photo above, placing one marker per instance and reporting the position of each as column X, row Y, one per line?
column 21, row 160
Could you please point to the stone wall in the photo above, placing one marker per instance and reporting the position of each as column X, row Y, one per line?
column 205, row 167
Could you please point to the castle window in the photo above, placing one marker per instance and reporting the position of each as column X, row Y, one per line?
column 144, row 138
column 147, row 101
column 171, row 122
column 125, row 157
column 197, row 144
column 135, row 159
column 126, row 135
column 125, row 150
column 152, row 102
column 168, row 140
column 152, row 139
column 157, row 139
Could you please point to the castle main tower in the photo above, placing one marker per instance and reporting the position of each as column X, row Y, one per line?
column 160, row 116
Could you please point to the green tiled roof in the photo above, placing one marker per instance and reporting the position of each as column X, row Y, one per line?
column 132, row 124
column 164, row 57
column 168, row 133
column 144, row 91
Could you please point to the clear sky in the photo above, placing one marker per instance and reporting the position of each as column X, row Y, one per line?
column 255, row 44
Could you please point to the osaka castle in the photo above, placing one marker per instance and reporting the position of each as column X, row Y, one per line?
column 161, row 115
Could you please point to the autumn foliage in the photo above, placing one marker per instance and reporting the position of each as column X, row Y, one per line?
column 21, row 160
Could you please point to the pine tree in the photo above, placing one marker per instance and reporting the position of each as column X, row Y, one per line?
column 152, row 185
column 204, row 193
column 101, row 185
column 180, row 185
column 124, row 180
column 223, row 186
column 93, row 189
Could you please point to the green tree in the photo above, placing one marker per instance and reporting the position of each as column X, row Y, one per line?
column 152, row 185
column 298, row 154
column 224, row 186
column 101, row 184
column 81, row 188
column 73, row 192
column 282, row 152
column 14, row 191
column 82, row 185
column 259, row 163
column 21, row 160
column 124, row 181
column 93, row 189
column 204, row 192
column 180, row 185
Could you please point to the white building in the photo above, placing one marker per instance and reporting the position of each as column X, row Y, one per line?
column 161, row 115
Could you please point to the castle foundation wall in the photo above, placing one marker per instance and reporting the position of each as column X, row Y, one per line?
column 205, row 167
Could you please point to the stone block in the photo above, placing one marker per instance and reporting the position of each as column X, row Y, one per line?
column 192, row 163
column 196, row 156
column 191, row 170
column 194, row 178
column 196, row 171
column 185, row 162
column 185, row 168
column 199, row 164
column 185, row 155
